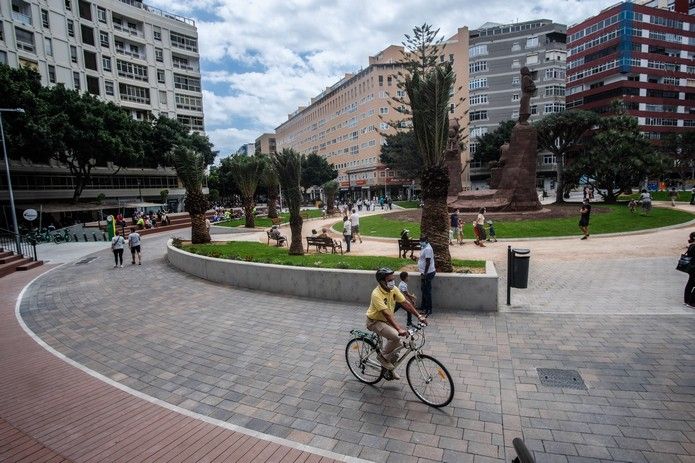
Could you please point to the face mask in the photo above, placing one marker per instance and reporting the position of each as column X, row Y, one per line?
column 390, row 284
column 423, row 244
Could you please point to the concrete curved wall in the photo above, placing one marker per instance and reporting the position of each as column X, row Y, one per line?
column 455, row 292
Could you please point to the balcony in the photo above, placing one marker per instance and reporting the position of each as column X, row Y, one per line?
column 134, row 32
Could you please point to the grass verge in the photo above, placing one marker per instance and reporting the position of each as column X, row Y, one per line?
column 407, row 204
column 259, row 252
column 265, row 222
column 618, row 219
column 683, row 196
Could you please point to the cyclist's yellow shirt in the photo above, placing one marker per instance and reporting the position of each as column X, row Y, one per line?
column 383, row 301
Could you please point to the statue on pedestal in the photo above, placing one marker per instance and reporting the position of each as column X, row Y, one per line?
column 528, row 89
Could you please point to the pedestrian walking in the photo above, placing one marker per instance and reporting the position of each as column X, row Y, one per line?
column 347, row 232
column 134, row 245
column 355, row 221
column 454, row 224
column 673, row 194
column 692, row 196
column 492, row 235
column 688, row 297
column 585, row 214
column 425, row 265
column 479, row 227
column 117, row 244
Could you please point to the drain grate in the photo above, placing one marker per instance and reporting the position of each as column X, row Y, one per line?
column 85, row 260
column 554, row 377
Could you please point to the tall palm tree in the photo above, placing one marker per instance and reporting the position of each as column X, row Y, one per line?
column 288, row 165
column 246, row 173
column 272, row 183
column 190, row 168
column 330, row 188
column 428, row 92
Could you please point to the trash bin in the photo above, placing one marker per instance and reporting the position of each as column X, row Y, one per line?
column 520, row 262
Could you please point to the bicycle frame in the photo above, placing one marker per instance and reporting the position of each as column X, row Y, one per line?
column 411, row 343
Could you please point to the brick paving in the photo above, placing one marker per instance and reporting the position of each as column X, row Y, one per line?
column 276, row 365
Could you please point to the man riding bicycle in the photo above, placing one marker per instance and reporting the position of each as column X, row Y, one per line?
column 380, row 318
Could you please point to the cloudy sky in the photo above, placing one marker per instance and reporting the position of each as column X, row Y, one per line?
column 261, row 59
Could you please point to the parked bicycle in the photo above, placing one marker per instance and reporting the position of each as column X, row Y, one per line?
column 65, row 236
column 427, row 377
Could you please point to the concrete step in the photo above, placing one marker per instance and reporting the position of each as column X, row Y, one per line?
column 29, row 265
column 11, row 258
column 6, row 269
column 5, row 254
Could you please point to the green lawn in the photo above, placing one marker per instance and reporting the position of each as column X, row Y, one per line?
column 407, row 204
column 619, row 219
column 265, row 222
column 259, row 252
column 683, row 196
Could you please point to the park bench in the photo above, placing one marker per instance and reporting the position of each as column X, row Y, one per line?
column 279, row 240
column 324, row 243
column 405, row 245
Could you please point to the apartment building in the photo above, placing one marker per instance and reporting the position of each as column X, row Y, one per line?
column 266, row 144
column 139, row 57
column 643, row 55
column 345, row 122
column 497, row 53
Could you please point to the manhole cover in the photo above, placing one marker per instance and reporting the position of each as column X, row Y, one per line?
column 85, row 261
column 554, row 377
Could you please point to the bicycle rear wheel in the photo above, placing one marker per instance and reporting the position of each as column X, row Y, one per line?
column 360, row 355
column 430, row 380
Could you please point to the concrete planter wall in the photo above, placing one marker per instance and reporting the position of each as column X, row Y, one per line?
column 474, row 292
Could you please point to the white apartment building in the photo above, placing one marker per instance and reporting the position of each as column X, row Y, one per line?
column 139, row 57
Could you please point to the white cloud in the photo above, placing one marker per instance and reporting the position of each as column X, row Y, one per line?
column 298, row 47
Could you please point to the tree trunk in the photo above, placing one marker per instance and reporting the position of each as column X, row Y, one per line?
column 199, row 232
column 248, row 212
column 296, row 245
column 560, row 182
column 272, row 202
column 330, row 203
column 435, row 215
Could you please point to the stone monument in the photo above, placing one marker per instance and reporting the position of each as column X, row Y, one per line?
column 513, row 181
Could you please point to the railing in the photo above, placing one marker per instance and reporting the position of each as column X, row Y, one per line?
column 19, row 244
column 123, row 51
column 128, row 30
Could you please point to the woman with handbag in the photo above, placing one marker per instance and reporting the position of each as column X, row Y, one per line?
column 688, row 296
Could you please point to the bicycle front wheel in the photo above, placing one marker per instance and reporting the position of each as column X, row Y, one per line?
column 430, row 380
column 360, row 355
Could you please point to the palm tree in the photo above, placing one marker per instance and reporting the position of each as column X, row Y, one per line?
column 330, row 188
column 190, row 168
column 288, row 165
column 272, row 183
column 246, row 173
column 428, row 89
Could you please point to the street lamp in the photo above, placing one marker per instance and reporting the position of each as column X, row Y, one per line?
column 9, row 180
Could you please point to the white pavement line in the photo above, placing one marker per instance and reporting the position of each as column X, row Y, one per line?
column 168, row 406
column 593, row 314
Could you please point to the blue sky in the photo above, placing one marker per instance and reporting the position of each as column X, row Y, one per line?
column 261, row 59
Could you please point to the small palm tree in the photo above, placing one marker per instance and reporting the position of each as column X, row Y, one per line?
column 330, row 188
column 190, row 168
column 288, row 165
column 272, row 183
column 246, row 173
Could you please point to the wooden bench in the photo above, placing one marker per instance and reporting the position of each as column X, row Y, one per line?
column 405, row 245
column 279, row 240
column 324, row 243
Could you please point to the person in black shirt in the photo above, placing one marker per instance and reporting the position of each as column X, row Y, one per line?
column 585, row 212
column 689, row 297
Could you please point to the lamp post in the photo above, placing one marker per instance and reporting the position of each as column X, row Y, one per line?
column 140, row 189
column 9, row 180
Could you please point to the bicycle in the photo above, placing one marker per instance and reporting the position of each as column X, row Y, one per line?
column 58, row 238
column 427, row 377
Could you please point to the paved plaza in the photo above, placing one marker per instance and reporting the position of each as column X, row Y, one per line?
column 609, row 308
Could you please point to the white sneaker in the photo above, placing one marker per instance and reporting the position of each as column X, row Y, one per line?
column 121, row 265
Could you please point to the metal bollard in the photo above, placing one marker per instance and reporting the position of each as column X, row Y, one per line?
column 103, row 235
column 94, row 235
column 85, row 238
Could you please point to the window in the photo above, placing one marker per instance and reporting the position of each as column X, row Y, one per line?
column 183, row 41
column 383, row 110
column 76, row 80
column 93, row 85
column 531, row 59
column 515, row 80
column 162, row 97
column 48, row 46
column 516, row 46
column 477, row 50
column 87, row 35
column 25, row 40
column 101, row 14
column 516, row 64
column 186, row 83
column 478, row 115
column 389, row 81
column 159, row 55
column 52, row 74
column 85, row 10
column 134, row 93
column 106, row 63
column 90, row 60
column 479, row 99
column 532, row 42
column 478, row 66
column 108, row 87
column 555, row 90
column 68, row 5
column 515, row 97
column 477, row 83
column 553, row 108
column 549, row 159
column 131, row 70
column 44, row 18
column 3, row 57
column 73, row 53
column 194, row 103
column 192, row 122
column 160, row 76
column 534, row 109
column 71, row 28
column 157, row 32
column 104, row 39
column 554, row 73
column 478, row 132
column 381, row 81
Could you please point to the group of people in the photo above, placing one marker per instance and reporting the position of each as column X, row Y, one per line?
column 145, row 220
column 118, row 243
column 366, row 204
column 351, row 227
column 480, row 232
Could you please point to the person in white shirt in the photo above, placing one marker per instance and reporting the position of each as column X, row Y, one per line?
column 479, row 228
column 134, row 245
column 347, row 232
column 355, row 220
column 425, row 265
column 117, row 243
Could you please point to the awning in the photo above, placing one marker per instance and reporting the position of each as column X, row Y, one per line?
column 67, row 207
column 143, row 204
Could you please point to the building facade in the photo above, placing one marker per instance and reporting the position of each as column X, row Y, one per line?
column 138, row 57
column 643, row 55
column 497, row 53
column 247, row 149
column 266, row 144
column 346, row 122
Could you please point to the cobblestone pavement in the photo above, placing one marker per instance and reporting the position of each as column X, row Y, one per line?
column 276, row 364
